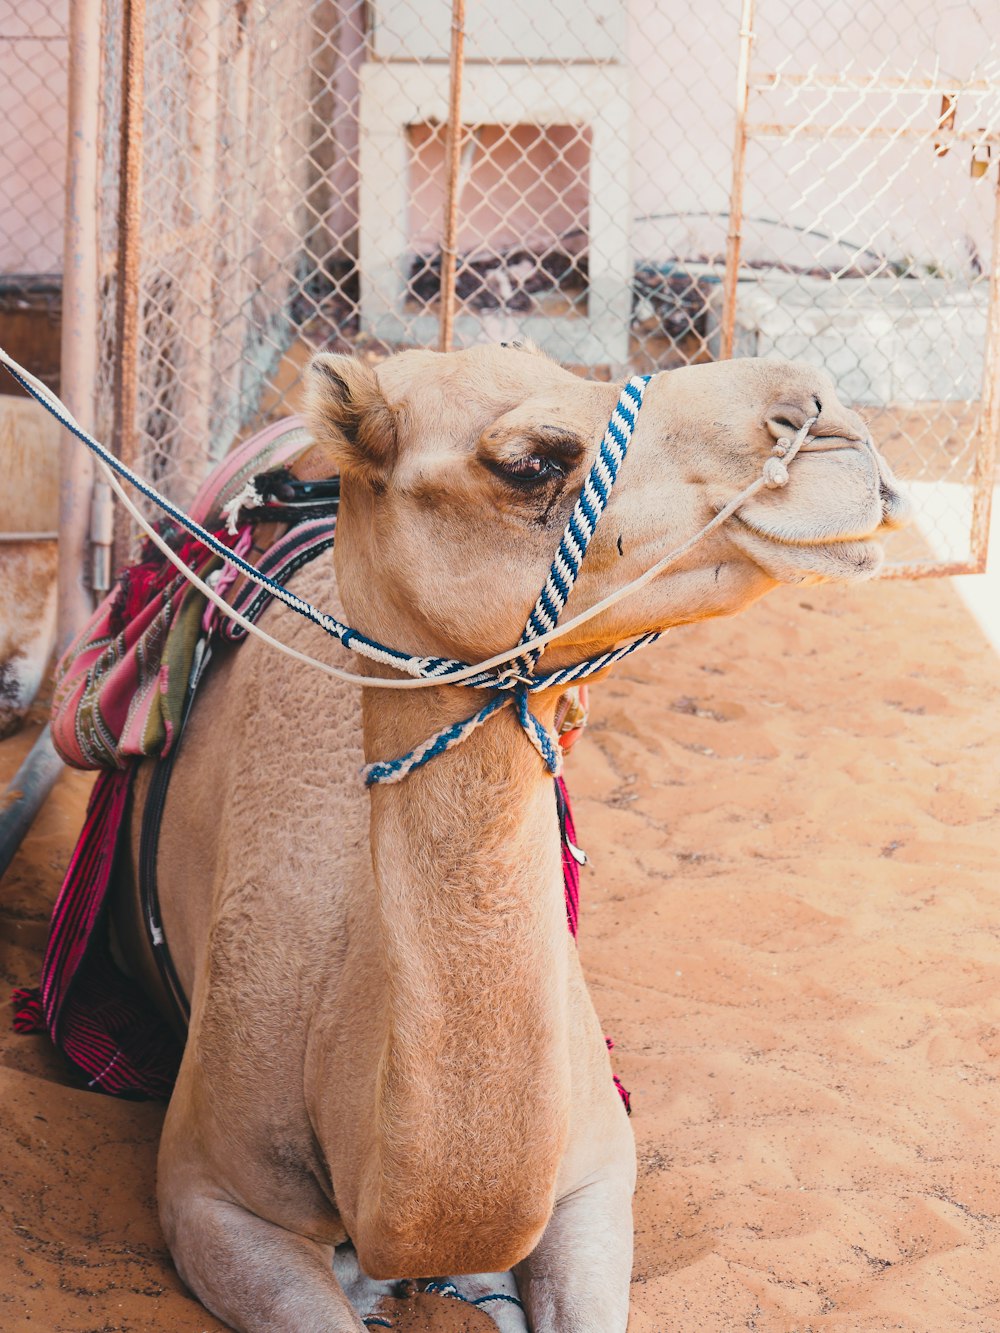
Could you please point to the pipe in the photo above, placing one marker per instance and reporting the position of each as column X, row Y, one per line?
column 453, row 165
column 78, row 352
column 25, row 795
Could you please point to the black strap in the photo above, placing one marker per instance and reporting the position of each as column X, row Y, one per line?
column 149, row 846
column 279, row 485
column 301, row 498
column 299, row 512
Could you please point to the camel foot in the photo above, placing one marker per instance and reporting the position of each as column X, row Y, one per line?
column 576, row 1280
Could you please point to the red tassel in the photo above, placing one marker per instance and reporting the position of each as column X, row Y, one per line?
column 623, row 1092
column 28, row 1016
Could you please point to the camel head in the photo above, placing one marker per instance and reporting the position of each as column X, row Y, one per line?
column 460, row 471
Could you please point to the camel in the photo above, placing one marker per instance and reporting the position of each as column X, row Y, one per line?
column 29, row 509
column 391, row 1038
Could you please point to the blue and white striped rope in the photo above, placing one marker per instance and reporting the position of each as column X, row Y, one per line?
column 590, row 505
column 515, row 681
column 580, row 526
column 394, row 770
column 449, row 1289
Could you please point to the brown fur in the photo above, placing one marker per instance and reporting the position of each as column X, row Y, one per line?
column 391, row 1037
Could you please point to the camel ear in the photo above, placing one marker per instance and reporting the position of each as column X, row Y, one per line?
column 351, row 423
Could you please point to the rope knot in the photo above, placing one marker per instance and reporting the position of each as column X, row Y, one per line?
column 510, row 680
column 537, row 734
column 775, row 473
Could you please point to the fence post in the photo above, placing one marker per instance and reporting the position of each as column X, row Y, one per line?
column 734, row 234
column 129, row 256
column 453, row 157
column 989, row 409
column 78, row 352
column 195, row 405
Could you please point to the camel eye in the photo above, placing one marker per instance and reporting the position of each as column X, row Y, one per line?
column 530, row 469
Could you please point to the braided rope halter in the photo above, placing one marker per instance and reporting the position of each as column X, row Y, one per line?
column 517, row 681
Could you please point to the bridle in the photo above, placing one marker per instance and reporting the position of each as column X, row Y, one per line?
column 515, row 684
column 517, row 681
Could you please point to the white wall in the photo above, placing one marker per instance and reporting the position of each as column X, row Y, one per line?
column 894, row 196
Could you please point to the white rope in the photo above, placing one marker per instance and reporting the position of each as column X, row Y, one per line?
column 774, row 474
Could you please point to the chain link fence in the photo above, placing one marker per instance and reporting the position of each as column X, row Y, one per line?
column 876, row 142
column 626, row 183
column 32, row 167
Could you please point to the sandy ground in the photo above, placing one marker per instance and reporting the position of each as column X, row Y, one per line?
column 791, row 924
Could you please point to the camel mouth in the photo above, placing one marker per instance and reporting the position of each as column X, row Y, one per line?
column 793, row 560
column 825, row 539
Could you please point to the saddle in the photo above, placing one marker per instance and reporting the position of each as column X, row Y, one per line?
column 121, row 686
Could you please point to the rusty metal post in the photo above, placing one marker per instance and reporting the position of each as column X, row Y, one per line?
column 78, row 352
column 126, row 383
column 734, row 234
column 196, row 381
column 989, row 409
column 453, row 158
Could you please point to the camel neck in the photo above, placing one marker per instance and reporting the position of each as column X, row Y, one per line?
column 474, row 1063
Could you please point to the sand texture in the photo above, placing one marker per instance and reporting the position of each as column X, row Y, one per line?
column 791, row 924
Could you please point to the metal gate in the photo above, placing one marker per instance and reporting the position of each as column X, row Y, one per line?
column 277, row 177
column 848, row 149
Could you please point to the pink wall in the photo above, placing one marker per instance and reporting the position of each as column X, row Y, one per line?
column 521, row 185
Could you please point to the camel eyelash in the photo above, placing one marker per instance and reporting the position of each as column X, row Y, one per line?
column 528, row 470
column 548, row 453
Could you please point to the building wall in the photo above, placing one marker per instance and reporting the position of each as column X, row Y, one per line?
column 835, row 201
column 680, row 65
column 897, row 198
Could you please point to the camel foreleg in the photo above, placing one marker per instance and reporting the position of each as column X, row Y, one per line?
column 254, row 1275
column 576, row 1280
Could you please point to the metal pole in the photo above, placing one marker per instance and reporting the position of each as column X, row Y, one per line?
column 196, row 382
column 78, row 355
column 734, row 235
column 129, row 254
column 77, row 380
column 453, row 157
column 989, row 409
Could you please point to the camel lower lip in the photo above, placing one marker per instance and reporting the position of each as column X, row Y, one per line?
column 844, row 557
column 801, row 543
